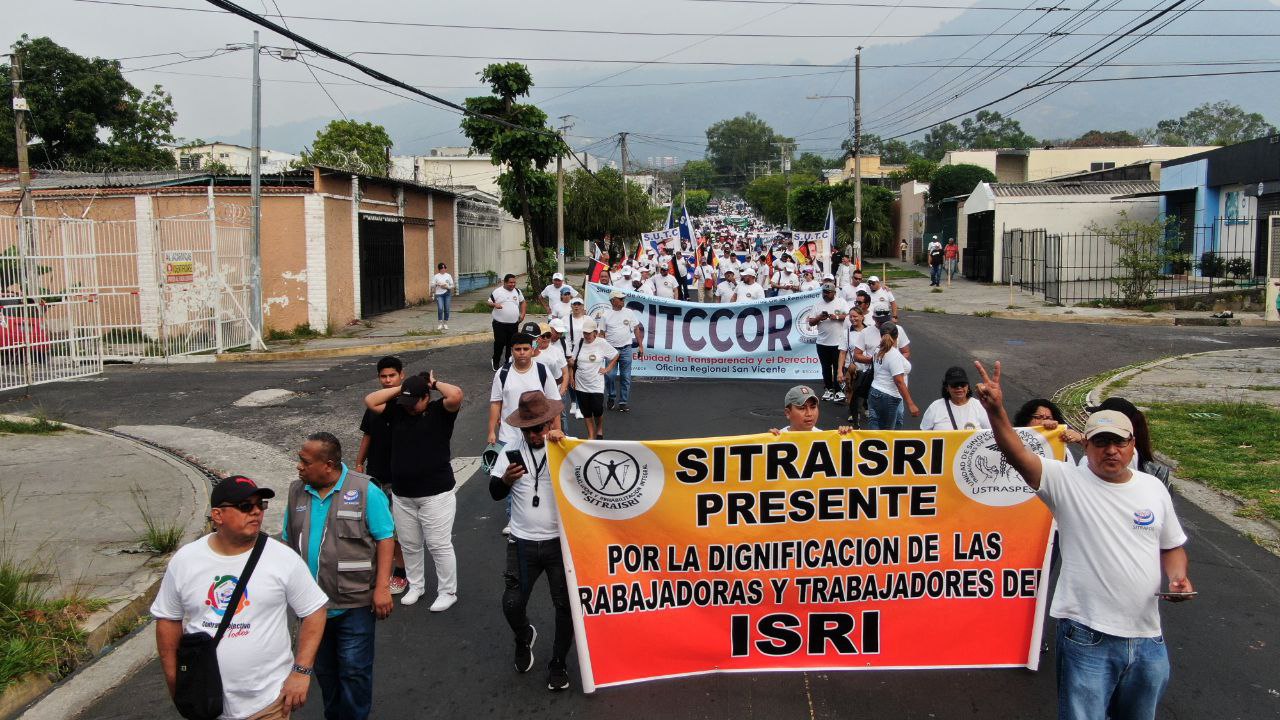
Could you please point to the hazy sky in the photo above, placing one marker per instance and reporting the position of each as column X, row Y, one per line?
column 219, row 106
column 212, row 95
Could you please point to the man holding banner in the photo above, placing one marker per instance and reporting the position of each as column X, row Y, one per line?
column 1118, row 533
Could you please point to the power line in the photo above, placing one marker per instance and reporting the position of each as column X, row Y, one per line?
column 831, row 3
column 309, row 70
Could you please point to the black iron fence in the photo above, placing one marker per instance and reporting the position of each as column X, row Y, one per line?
column 1133, row 269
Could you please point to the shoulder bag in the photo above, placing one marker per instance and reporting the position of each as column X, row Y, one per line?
column 198, row 691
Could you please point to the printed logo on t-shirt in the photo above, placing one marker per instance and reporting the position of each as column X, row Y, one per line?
column 1143, row 519
column 220, row 595
column 351, row 496
column 592, row 357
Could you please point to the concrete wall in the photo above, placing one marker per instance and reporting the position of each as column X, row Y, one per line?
column 1052, row 162
column 911, row 202
column 1066, row 215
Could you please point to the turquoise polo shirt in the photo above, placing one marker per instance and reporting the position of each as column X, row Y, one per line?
column 377, row 517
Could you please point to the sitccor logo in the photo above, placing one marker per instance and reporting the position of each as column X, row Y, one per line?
column 614, row 481
column 807, row 333
column 983, row 475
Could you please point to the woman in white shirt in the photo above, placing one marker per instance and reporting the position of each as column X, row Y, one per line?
column 956, row 409
column 591, row 361
column 888, row 383
column 442, row 282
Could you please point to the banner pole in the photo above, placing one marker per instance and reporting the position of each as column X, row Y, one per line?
column 1042, row 600
column 586, row 676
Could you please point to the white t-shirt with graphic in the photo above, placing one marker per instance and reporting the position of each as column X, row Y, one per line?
column 969, row 416
column 829, row 331
column 588, row 360
column 726, row 290
column 749, row 293
column 1111, row 535
column 255, row 656
column 529, row 522
column 510, row 301
column 619, row 326
column 664, row 286
column 442, row 283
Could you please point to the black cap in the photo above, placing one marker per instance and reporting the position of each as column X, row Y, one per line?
column 955, row 376
column 236, row 488
column 414, row 388
column 530, row 328
column 527, row 336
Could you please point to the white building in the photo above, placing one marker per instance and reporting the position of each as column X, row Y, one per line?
column 457, row 166
column 236, row 158
column 1013, row 165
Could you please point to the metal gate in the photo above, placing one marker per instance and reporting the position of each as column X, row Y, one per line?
column 381, row 264
column 49, row 316
column 202, row 271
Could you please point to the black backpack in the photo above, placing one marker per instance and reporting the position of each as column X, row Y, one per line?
column 506, row 370
column 197, row 693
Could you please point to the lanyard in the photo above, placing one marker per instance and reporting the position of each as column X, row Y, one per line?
column 538, row 468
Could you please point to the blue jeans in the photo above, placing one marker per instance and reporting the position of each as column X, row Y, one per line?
column 1104, row 676
column 935, row 274
column 442, row 306
column 620, row 377
column 882, row 410
column 344, row 665
column 951, row 268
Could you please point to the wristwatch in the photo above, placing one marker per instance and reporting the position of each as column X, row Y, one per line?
column 303, row 670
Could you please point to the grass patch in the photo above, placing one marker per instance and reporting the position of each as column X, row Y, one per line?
column 35, row 426
column 984, row 313
column 936, row 290
column 893, row 273
column 1264, row 388
column 1236, row 453
column 423, row 333
column 159, row 536
column 299, row 332
column 932, row 309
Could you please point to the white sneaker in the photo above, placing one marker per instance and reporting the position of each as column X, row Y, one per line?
column 439, row 326
column 446, row 326
column 411, row 596
column 840, row 397
column 506, row 530
column 443, row 602
column 827, row 396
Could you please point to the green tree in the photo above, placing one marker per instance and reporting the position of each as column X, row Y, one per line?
column 699, row 175
column 1106, row 138
column 940, row 138
column 521, row 149
column 350, row 145
column 1146, row 247
column 809, row 212
column 84, row 113
column 734, row 145
column 813, row 164
column 696, row 201
column 1220, row 123
column 891, row 152
column 951, row 180
column 593, row 207
column 768, row 194
column 918, row 168
column 989, row 129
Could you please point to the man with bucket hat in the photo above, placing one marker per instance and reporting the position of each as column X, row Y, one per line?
column 533, row 547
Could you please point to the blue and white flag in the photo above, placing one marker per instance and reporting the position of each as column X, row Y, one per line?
column 766, row 340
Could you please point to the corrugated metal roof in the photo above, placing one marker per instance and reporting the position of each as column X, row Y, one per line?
column 1099, row 187
column 60, row 179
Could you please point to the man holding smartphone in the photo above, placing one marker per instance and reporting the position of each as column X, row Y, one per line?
column 533, row 547
column 1118, row 534
column 827, row 319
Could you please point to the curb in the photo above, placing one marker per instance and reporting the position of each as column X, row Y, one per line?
column 356, row 350
column 1220, row 504
column 140, row 589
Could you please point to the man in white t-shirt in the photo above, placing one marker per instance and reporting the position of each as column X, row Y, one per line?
column 1118, row 534
column 705, row 278
column 509, row 382
column 622, row 329
column 665, row 285
column 748, row 290
column 642, row 283
column 508, row 312
column 880, row 294
column 727, row 288
column 533, row 547
column 261, row 676
column 850, row 292
column 827, row 318
column 551, row 294
column 785, row 280
column 844, row 273
column 623, row 278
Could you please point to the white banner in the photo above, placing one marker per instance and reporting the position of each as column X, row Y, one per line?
column 661, row 236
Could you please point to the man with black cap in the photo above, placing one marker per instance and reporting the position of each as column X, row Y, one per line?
column 423, row 502
column 1119, row 533
column 533, row 547
column 261, row 678
column 524, row 373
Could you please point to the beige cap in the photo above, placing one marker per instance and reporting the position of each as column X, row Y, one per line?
column 1108, row 421
column 588, row 325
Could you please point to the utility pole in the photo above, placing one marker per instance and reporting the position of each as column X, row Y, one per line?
column 27, row 206
column 626, row 213
column 564, row 128
column 255, row 202
column 857, row 158
column 784, row 159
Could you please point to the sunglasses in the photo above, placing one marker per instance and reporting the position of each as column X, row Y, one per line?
column 1105, row 440
column 247, row 506
column 953, row 386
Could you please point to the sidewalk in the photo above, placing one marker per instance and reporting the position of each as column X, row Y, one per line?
column 966, row 297
column 70, row 511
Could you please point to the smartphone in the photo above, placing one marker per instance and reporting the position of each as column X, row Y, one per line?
column 1170, row 595
column 513, row 457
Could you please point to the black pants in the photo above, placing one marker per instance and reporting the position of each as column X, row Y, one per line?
column 526, row 560
column 502, row 333
column 859, row 385
column 828, row 356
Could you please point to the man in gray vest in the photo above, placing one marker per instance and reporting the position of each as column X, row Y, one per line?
column 340, row 523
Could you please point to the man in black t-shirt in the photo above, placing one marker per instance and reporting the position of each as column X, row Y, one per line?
column 421, row 476
column 374, row 455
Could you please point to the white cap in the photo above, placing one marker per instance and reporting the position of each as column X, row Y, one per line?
column 872, row 279
column 828, row 276
column 558, row 325
column 881, row 308
column 626, row 272
column 557, row 276
column 588, row 325
column 748, row 271
column 577, row 301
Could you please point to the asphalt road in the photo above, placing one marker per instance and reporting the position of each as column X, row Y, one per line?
column 1225, row 646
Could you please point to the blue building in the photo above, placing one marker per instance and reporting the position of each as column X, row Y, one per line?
column 1222, row 201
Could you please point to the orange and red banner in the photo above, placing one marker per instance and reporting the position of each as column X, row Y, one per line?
column 803, row 551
